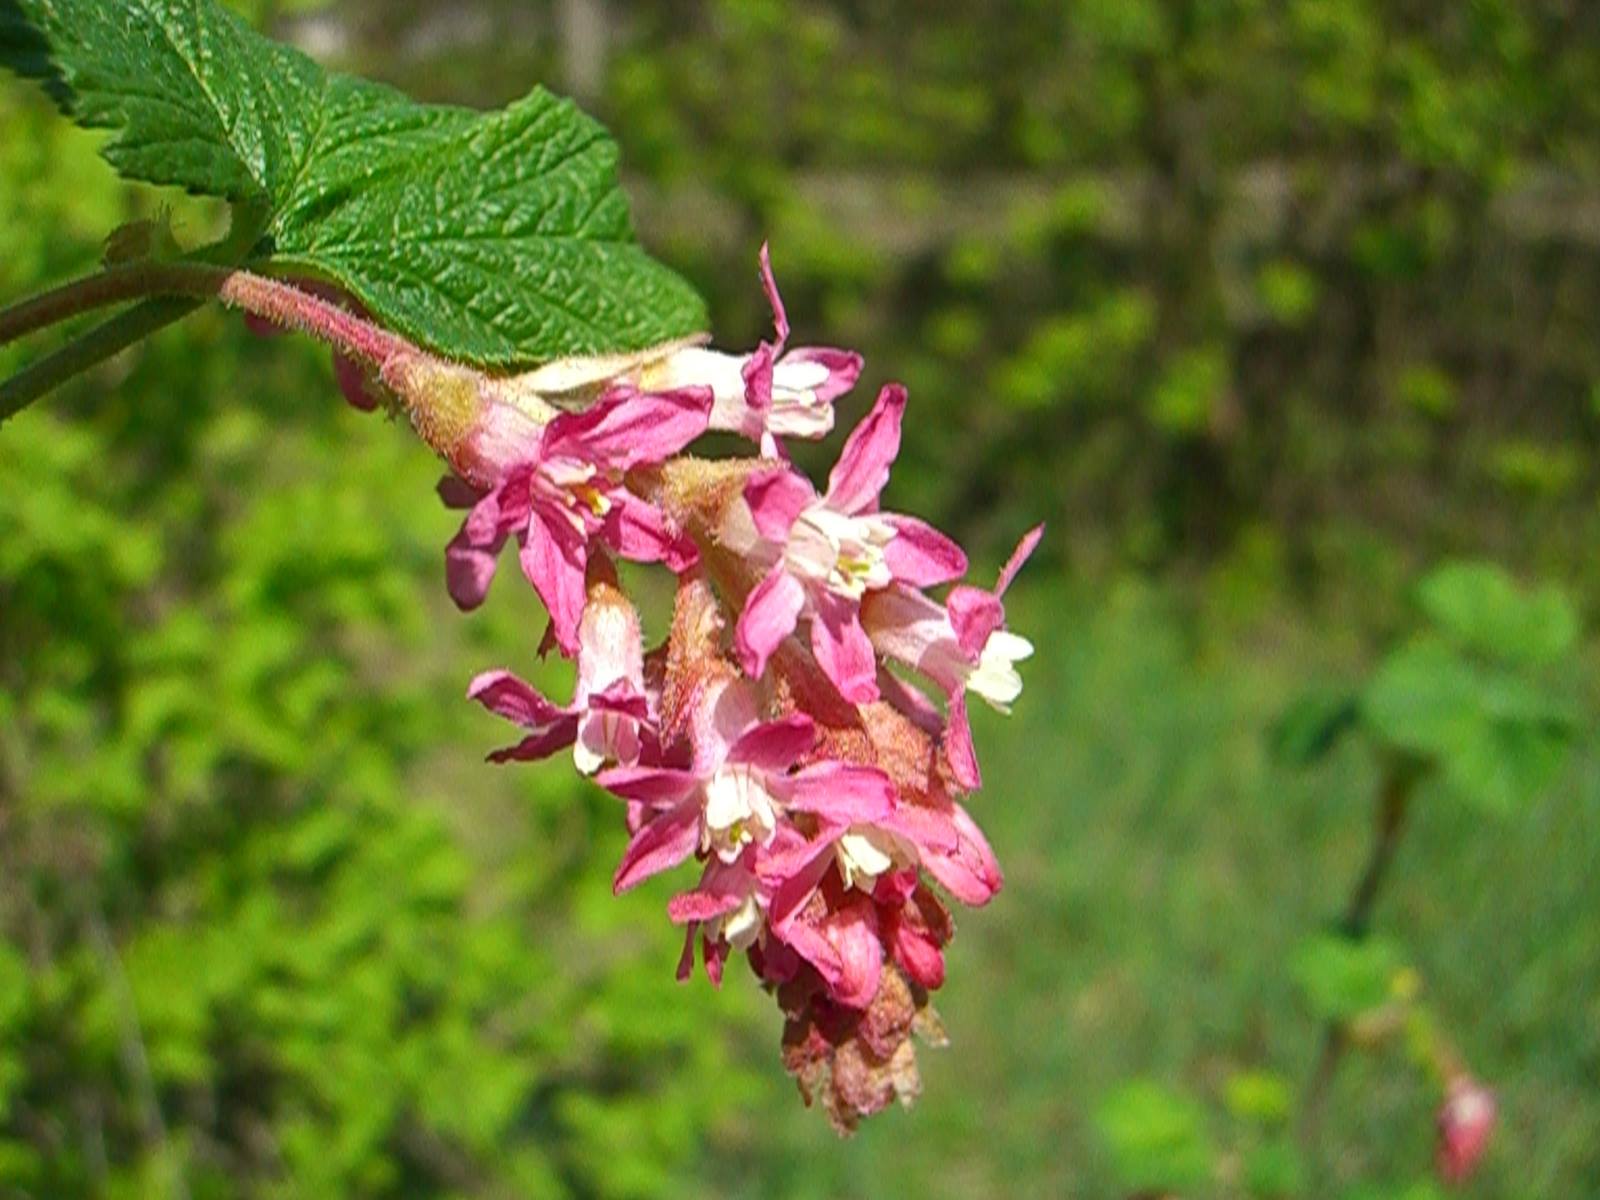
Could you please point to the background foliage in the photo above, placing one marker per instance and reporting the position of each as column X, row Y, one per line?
column 1266, row 307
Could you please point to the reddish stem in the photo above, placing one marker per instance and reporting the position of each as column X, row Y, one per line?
column 291, row 307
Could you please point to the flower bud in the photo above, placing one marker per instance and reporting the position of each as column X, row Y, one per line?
column 1465, row 1121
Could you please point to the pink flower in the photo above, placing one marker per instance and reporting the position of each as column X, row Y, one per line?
column 770, row 393
column 1466, row 1119
column 961, row 645
column 738, row 788
column 831, row 550
column 568, row 492
column 609, row 717
column 937, row 836
column 838, row 899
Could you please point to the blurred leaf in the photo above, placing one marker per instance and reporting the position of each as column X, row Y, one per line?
column 1482, row 608
column 1289, row 292
column 1428, row 390
column 1189, row 392
column 1275, row 1170
column 1157, row 1137
column 1498, row 739
column 1342, row 979
column 1536, row 469
column 1260, row 1097
column 1314, row 725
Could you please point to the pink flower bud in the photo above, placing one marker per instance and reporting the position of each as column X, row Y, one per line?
column 1466, row 1120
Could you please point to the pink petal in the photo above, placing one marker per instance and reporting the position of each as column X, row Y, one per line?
column 637, row 531
column 497, row 513
column 796, row 873
column 720, row 715
column 554, row 558
column 622, row 697
column 958, row 748
column 537, row 747
column 776, row 499
column 1019, row 556
column 626, row 428
column 854, row 934
column 930, row 830
column 503, row 693
column 686, row 958
column 469, row 570
column 809, row 943
column 974, row 615
column 769, row 616
column 843, row 650
column 774, row 745
column 716, row 954
column 842, row 792
column 920, row 555
column 659, row 846
column 843, row 367
column 655, row 786
column 261, row 327
column 780, row 319
column 354, row 382
column 805, row 867
column 863, row 466
column 919, row 954
column 457, row 492
column 757, row 376
column 911, row 703
column 719, row 892
column 970, row 874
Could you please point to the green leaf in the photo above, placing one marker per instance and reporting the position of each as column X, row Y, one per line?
column 1313, row 726
column 1478, row 605
column 1157, row 1137
column 502, row 239
column 1342, row 979
column 1497, row 738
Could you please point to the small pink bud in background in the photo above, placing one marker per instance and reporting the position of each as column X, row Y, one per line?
column 1466, row 1120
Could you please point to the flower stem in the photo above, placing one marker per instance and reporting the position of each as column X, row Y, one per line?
column 292, row 307
column 1400, row 779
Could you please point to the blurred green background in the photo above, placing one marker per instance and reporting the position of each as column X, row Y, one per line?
column 1264, row 307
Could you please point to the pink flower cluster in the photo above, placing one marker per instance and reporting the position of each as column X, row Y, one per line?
column 767, row 739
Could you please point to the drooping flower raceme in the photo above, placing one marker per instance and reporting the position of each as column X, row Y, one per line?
column 766, row 738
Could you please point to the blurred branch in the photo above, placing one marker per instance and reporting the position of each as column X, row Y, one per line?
column 93, row 348
column 581, row 26
column 115, row 285
column 1400, row 779
column 182, row 286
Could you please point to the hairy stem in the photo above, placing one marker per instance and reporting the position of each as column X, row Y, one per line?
column 291, row 307
column 1399, row 781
